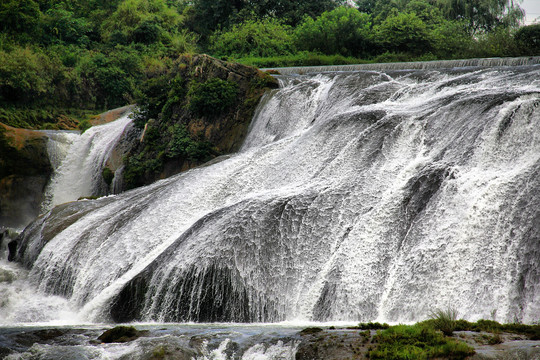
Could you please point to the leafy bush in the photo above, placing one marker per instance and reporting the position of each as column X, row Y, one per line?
column 112, row 76
column 211, row 97
column 61, row 25
column 138, row 168
column 152, row 97
column 497, row 43
column 141, row 21
column 342, row 31
column 373, row 326
column 184, row 146
column 19, row 16
column 266, row 37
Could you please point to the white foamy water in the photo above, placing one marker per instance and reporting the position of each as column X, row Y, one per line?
column 78, row 161
column 358, row 196
column 21, row 303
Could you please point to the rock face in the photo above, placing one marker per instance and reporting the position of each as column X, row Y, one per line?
column 167, row 111
column 227, row 130
column 24, row 171
column 25, row 167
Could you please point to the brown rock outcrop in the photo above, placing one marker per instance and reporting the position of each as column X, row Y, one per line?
column 24, row 171
column 221, row 130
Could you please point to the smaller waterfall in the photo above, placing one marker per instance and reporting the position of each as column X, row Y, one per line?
column 78, row 161
column 58, row 145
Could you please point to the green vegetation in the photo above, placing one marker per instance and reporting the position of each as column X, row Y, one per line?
column 188, row 109
column 416, row 342
column 373, row 326
column 528, row 39
column 56, row 56
column 444, row 320
column 432, row 338
column 531, row 331
column 211, row 97
column 108, row 175
column 267, row 37
column 344, row 31
column 92, row 56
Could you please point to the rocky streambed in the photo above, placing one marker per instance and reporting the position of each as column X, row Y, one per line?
column 229, row 341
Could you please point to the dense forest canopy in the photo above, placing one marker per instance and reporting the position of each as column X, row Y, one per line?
column 77, row 57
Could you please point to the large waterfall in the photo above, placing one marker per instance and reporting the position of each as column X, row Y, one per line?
column 357, row 196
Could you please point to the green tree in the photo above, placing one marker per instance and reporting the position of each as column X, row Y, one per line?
column 342, row 31
column 61, row 25
column 19, row 16
column 264, row 38
column 111, row 76
column 427, row 12
column 290, row 11
column 451, row 40
column 496, row 43
column 25, row 75
column 528, row 39
column 484, row 15
column 404, row 32
column 207, row 16
column 141, row 21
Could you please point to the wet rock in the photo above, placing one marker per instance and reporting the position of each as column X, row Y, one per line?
column 170, row 352
column 120, row 334
column 310, row 330
column 333, row 344
column 45, row 336
column 12, row 249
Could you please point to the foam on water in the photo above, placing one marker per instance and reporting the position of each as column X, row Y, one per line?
column 78, row 161
column 358, row 196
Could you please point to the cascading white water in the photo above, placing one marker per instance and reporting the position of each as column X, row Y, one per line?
column 357, row 196
column 78, row 160
column 58, row 145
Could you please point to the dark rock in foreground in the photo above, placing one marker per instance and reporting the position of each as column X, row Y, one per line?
column 120, row 334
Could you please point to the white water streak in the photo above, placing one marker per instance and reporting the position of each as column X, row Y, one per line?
column 79, row 174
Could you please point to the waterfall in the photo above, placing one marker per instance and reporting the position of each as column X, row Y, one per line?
column 357, row 196
column 78, row 161
column 425, row 65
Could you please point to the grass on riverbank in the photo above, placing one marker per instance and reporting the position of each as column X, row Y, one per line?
column 424, row 340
